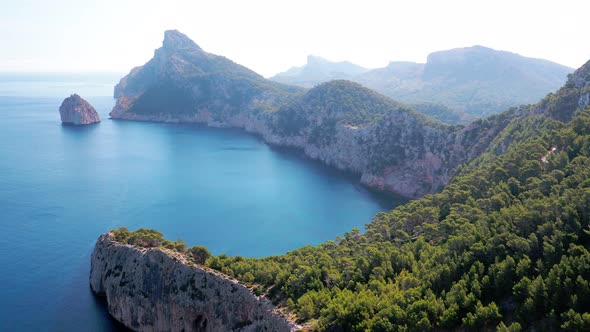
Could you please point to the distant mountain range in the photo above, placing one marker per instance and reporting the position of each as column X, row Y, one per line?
column 473, row 82
column 318, row 70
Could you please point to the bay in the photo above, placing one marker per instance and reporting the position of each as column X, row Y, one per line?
column 62, row 186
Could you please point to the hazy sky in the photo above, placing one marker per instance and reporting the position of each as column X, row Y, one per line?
column 271, row 36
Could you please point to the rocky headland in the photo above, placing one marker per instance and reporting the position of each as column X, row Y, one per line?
column 156, row 289
column 74, row 110
column 343, row 124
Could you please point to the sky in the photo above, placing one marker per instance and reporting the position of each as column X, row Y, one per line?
column 271, row 36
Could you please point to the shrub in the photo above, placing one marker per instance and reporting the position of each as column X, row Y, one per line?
column 200, row 254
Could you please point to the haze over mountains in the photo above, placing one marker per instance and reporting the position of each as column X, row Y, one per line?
column 318, row 70
column 477, row 81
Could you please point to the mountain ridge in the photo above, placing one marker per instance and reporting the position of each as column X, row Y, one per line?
column 476, row 80
column 318, row 69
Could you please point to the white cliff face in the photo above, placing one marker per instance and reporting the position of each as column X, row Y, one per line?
column 158, row 290
column 76, row 111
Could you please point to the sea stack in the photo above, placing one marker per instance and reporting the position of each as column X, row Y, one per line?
column 76, row 111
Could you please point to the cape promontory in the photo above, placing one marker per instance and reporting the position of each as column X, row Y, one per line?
column 155, row 289
column 340, row 123
column 74, row 110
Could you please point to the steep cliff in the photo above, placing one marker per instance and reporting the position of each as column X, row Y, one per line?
column 184, row 83
column 159, row 290
column 74, row 110
column 390, row 146
column 343, row 124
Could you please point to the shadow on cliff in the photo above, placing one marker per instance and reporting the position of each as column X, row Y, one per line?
column 114, row 325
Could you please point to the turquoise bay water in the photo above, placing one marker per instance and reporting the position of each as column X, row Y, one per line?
column 61, row 187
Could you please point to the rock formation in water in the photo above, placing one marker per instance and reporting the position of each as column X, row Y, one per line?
column 340, row 123
column 74, row 110
column 159, row 290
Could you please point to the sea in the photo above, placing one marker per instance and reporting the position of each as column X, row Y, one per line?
column 63, row 186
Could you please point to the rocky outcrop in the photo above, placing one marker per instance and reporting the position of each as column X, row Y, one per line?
column 575, row 94
column 76, row 111
column 159, row 290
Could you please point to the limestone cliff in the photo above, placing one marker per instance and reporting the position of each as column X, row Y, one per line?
column 76, row 111
column 390, row 146
column 159, row 290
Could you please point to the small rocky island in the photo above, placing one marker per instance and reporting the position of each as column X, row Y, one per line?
column 74, row 110
column 156, row 289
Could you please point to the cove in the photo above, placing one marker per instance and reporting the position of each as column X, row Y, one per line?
column 61, row 187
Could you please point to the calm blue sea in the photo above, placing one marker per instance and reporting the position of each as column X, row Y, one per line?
column 61, row 187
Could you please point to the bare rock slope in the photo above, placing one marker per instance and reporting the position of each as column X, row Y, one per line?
column 75, row 110
column 158, row 290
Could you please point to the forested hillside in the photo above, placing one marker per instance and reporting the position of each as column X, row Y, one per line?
column 505, row 246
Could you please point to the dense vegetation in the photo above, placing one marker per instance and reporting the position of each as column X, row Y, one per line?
column 443, row 114
column 227, row 93
column 335, row 102
column 338, row 102
column 150, row 238
column 504, row 245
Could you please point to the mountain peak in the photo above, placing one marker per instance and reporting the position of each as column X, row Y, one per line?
column 176, row 40
column 314, row 59
column 479, row 47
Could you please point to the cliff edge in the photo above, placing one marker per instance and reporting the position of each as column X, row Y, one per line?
column 159, row 290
